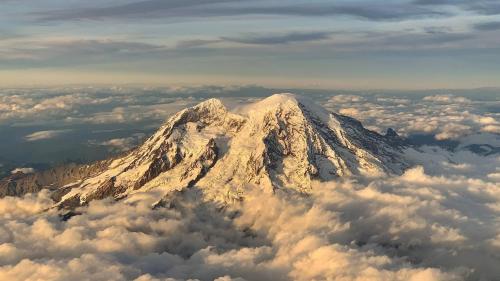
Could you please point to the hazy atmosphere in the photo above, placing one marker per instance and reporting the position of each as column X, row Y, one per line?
column 413, row 44
column 229, row 140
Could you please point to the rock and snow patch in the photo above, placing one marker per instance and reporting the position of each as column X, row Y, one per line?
column 280, row 142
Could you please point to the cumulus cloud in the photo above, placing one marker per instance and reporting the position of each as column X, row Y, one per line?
column 491, row 129
column 447, row 99
column 25, row 105
column 123, row 144
column 446, row 116
column 90, row 105
column 434, row 222
column 452, row 131
column 23, row 170
column 346, row 98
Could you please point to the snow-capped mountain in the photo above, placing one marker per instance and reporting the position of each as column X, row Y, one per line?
column 281, row 142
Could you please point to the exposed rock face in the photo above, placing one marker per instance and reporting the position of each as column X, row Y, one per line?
column 288, row 142
column 20, row 184
column 280, row 142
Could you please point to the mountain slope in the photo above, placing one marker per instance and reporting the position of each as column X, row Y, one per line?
column 19, row 184
column 281, row 142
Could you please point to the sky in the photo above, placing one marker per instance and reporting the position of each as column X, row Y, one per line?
column 356, row 44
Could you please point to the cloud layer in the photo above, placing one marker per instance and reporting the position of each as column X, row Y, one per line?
column 418, row 226
column 223, row 8
column 87, row 105
column 340, row 44
column 448, row 117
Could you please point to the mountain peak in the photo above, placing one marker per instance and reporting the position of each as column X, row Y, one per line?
column 209, row 108
column 212, row 103
column 281, row 142
column 280, row 98
column 273, row 102
column 282, row 102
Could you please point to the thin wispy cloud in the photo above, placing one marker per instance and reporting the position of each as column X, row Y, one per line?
column 486, row 7
column 187, row 38
column 44, row 135
column 213, row 8
column 273, row 39
column 488, row 26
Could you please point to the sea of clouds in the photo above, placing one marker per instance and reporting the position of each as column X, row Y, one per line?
column 434, row 222
column 444, row 115
column 438, row 221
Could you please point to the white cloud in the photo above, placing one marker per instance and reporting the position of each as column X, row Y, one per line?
column 346, row 98
column 447, row 99
column 444, row 115
column 353, row 112
column 448, row 117
column 453, row 131
column 487, row 120
column 31, row 204
column 23, row 170
column 491, row 129
column 436, row 222
column 44, row 135
column 29, row 106
column 494, row 176
column 90, row 105
column 124, row 144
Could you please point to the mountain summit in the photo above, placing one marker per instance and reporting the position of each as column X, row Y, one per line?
column 281, row 142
